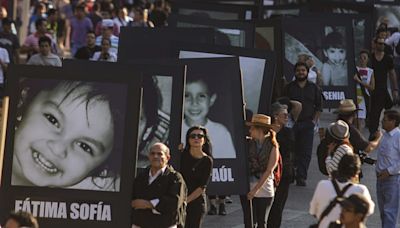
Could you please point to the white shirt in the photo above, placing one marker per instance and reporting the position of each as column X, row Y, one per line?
column 325, row 193
column 392, row 41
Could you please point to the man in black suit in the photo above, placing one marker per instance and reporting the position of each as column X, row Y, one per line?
column 159, row 193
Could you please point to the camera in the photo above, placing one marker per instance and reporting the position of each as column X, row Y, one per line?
column 366, row 159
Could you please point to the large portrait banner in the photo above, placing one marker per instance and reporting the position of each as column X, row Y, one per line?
column 68, row 154
column 329, row 44
column 213, row 99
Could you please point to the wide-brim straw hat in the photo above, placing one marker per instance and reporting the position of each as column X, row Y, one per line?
column 260, row 120
column 339, row 130
column 347, row 106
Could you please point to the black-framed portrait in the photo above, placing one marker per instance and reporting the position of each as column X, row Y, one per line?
column 277, row 11
column 160, row 119
column 68, row 146
column 213, row 99
column 144, row 43
column 215, row 10
column 257, row 67
column 329, row 44
column 227, row 33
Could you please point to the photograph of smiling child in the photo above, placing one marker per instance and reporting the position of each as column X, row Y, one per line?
column 66, row 132
column 334, row 69
column 200, row 97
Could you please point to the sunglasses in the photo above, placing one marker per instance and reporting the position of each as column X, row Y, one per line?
column 380, row 43
column 198, row 136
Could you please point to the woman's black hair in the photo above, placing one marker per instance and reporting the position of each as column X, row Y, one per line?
column 94, row 91
column 207, row 147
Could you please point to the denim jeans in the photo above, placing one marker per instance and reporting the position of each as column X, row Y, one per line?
column 304, row 135
column 388, row 194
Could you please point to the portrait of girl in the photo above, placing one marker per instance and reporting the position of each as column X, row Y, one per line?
column 69, row 134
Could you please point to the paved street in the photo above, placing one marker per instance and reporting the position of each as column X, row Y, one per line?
column 296, row 210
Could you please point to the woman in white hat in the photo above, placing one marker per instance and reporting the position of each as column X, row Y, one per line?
column 263, row 152
column 338, row 145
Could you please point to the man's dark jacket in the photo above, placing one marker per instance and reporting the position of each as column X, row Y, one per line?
column 170, row 188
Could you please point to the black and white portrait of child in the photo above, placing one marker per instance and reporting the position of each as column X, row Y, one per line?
column 69, row 134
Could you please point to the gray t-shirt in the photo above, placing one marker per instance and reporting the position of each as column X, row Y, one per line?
column 41, row 60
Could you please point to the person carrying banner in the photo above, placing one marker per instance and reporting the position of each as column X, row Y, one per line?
column 196, row 166
column 263, row 154
column 159, row 193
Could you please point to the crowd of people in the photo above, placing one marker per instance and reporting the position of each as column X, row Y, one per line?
column 165, row 197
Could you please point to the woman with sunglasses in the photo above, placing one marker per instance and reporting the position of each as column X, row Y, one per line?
column 196, row 166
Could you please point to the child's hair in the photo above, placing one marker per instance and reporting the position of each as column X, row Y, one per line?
column 207, row 147
column 206, row 80
column 334, row 40
column 30, row 88
column 151, row 103
column 364, row 51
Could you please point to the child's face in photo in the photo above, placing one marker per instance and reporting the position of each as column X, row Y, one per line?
column 335, row 55
column 61, row 138
column 198, row 101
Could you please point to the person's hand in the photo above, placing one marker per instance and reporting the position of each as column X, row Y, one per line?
column 383, row 175
column 180, row 147
column 141, row 204
column 378, row 134
column 356, row 78
column 251, row 194
column 331, row 147
column 395, row 96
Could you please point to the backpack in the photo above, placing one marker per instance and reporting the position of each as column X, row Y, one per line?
column 322, row 153
column 278, row 171
column 332, row 204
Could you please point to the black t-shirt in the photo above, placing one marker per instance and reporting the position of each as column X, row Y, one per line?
column 285, row 138
column 381, row 70
column 357, row 140
column 86, row 52
column 310, row 96
column 195, row 171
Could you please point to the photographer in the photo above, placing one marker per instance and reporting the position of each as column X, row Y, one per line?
column 348, row 113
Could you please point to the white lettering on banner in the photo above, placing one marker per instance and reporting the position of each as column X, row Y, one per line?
column 334, row 95
column 47, row 209
column 222, row 174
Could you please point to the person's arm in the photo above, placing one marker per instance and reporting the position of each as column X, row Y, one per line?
column 195, row 194
column 272, row 161
column 393, row 83
column 318, row 104
column 371, row 86
column 372, row 145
